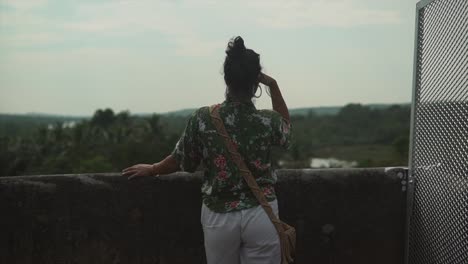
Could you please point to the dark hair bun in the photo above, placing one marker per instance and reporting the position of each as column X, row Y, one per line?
column 241, row 68
column 235, row 47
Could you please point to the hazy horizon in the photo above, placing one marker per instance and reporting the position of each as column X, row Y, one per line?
column 187, row 109
column 71, row 58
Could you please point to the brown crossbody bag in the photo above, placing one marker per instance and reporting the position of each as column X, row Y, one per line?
column 286, row 233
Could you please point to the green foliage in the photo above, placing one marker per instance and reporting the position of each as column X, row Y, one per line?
column 108, row 141
column 370, row 135
column 94, row 165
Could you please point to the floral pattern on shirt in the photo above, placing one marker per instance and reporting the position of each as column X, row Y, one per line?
column 253, row 132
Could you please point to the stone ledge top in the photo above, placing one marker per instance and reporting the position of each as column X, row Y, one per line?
column 283, row 175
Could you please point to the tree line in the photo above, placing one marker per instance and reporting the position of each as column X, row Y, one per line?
column 108, row 141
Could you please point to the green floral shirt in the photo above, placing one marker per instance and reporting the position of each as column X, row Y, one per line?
column 253, row 131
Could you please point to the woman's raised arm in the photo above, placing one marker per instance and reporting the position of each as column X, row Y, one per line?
column 277, row 100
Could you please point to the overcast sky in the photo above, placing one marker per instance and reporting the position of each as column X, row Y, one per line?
column 73, row 57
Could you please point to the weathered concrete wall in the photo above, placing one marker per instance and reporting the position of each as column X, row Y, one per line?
column 341, row 216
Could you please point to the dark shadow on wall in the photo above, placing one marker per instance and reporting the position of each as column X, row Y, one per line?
column 341, row 216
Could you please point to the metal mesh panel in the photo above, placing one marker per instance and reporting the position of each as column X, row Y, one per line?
column 438, row 230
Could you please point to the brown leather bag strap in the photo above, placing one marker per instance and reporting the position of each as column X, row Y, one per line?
column 246, row 173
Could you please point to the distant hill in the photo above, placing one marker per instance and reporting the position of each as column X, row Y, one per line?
column 47, row 118
column 323, row 110
column 24, row 124
column 181, row 113
column 34, row 118
column 320, row 110
column 333, row 110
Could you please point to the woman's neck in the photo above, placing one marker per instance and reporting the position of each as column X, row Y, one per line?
column 236, row 97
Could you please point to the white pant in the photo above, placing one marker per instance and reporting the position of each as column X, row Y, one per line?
column 246, row 236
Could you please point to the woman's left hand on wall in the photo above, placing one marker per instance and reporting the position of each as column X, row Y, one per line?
column 139, row 170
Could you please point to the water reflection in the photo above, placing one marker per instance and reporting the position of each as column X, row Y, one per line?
column 331, row 163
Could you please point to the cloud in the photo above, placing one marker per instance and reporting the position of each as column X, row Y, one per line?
column 185, row 24
column 293, row 14
column 28, row 39
column 24, row 4
column 179, row 21
column 145, row 17
column 320, row 13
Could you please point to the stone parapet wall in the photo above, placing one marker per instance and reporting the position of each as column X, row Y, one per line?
column 341, row 216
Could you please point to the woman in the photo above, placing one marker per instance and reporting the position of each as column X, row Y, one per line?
column 236, row 229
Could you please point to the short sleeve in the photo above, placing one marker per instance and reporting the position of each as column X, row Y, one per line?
column 281, row 131
column 187, row 149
